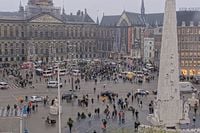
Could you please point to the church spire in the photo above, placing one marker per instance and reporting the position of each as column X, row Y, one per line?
column 142, row 8
column 63, row 8
column 97, row 20
column 21, row 8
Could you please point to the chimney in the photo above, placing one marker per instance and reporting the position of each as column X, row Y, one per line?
column 82, row 13
column 85, row 11
column 78, row 13
column 71, row 14
column 183, row 24
column 191, row 23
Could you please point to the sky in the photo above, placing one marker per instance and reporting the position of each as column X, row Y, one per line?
column 108, row 7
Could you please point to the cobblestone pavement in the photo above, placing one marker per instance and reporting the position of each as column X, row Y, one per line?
column 36, row 121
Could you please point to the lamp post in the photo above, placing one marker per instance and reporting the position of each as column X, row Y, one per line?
column 72, row 55
column 59, row 106
column 59, row 103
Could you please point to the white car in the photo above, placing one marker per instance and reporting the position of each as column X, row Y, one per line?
column 53, row 84
column 3, row 85
column 36, row 99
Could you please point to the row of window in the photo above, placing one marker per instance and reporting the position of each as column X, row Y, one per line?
column 189, row 38
column 188, row 30
column 12, row 59
column 10, row 45
column 190, row 63
column 190, row 54
column 192, row 47
column 62, row 50
column 46, row 51
column 12, row 51
column 10, row 32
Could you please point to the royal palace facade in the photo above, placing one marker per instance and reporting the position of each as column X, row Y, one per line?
column 41, row 32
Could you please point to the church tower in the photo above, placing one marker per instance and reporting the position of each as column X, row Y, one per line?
column 42, row 6
column 21, row 8
column 41, row 2
column 142, row 8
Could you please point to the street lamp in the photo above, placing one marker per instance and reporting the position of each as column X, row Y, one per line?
column 59, row 106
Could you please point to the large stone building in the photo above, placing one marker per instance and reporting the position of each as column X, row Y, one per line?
column 41, row 32
column 130, row 29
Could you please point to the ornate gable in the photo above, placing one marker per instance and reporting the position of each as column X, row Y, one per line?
column 45, row 19
column 124, row 20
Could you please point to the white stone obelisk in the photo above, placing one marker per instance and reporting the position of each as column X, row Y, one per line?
column 169, row 106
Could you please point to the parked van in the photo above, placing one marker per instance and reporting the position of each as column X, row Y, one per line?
column 186, row 87
column 76, row 72
column 53, row 84
column 47, row 73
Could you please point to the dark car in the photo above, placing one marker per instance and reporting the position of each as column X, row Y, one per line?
column 69, row 96
column 108, row 93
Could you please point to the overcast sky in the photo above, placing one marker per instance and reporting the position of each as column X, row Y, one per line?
column 109, row 7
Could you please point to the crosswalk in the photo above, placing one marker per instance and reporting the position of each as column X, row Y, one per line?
column 11, row 83
column 10, row 113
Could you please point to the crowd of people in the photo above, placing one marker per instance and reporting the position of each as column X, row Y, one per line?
column 116, row 108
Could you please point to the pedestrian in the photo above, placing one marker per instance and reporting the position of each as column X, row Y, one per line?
column 15, row 106
column 36, row 106
column 123, row 117
column 137, row 123
column 26, row 98
column 28, row 110
column 98, row 112
column 33, row 108
column 98, row 97
column 138, row 100
column 141, row 104
column 70, row 124
column 89, row 116
column 150, row 109
column 94, row 90
column 133, row 112
column 195, row 108
column 136, row 114
column 120, row 117
column 92, row 100
column 132, row 98
column 8, row 109
column 194, row 120
column 104, row 124
column 45, row 101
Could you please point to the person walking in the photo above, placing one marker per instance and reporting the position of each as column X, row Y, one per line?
column 70, row 124
column 104, row 125
column 136, row 114
column 123, row 117
column 140, row 104
column 92, row 100
column 133, row 112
